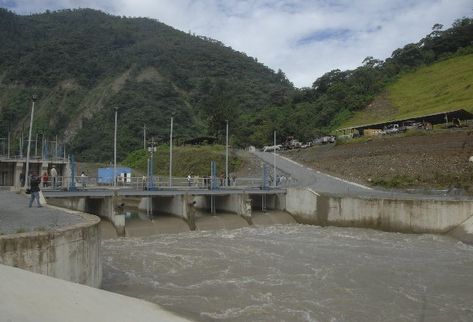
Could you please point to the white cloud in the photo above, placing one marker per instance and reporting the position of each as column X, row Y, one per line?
column 272, row 30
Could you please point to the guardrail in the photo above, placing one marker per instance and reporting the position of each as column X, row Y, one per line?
column 143, row 183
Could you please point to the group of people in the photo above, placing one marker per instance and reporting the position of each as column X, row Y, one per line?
column 206, row 180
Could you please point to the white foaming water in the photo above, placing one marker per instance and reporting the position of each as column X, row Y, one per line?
column 296, row 273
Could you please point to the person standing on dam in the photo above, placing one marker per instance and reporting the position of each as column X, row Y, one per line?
column 54, row 176
column 34, row 188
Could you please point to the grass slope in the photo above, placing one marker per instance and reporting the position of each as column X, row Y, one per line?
column 193, row 160
column 444, row 86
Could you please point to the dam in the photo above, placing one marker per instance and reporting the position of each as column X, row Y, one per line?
column 277, row 255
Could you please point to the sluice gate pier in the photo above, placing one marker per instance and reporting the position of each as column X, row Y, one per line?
column 183, row 203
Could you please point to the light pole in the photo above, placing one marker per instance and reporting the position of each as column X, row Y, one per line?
column 170, row 153
column 144, row 137
column 226, row 156
column 115, row 150
column 274, row 160
column 33, row 98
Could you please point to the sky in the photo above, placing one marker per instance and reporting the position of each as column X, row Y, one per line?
column 303, row 38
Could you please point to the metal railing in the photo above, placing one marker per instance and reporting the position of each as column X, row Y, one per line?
column 143, row 183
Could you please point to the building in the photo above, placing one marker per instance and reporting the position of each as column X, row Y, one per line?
column 450, row 118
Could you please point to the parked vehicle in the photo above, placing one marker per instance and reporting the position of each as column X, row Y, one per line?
column 325, row 139
column 411, row 124
column 291, row 143
column 271, row 148
column 392, row 129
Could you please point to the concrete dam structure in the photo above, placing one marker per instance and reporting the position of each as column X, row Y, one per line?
column 453, row 217
column 204, row 211
column 304, row 204
column 191, row 210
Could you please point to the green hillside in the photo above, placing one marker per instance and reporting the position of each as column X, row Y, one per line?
column 443, row 86
column 193, row 160
column 82, row 63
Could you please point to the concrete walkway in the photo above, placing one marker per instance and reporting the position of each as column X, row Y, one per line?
column 16, row 217
column 27, row 296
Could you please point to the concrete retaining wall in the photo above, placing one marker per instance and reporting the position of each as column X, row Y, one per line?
column 105, row 207
column 71, row 253
column 409, row 216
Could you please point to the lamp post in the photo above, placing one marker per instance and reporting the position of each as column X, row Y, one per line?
column 274, row 160
column 170, row 154
column 144, row 137
column 226, row 156
column 33, row 98
column 115, row 150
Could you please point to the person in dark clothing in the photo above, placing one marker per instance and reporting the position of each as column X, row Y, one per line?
column 34, row 187
column 22, row 179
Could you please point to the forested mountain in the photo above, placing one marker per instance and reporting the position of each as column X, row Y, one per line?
column 83, row 63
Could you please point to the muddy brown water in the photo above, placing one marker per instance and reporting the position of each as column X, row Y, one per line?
column 294, row 272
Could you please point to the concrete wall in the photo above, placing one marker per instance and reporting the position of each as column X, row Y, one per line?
column 175, row 205
column 105, row 207
column 410, row 216
column 71, row 253
column 274, row 201
column 239, row 204
column 32, row 297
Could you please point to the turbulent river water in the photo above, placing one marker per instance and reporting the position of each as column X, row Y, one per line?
column 296, row 273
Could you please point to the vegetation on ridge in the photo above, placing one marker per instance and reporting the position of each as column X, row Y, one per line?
column 194, row 160
column 440, row 87
column 83, row 63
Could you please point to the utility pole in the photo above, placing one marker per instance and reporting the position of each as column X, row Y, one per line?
column 36, row 145
column 55, row 150
column 33, row 98
column 170, row 154
column 144, row 136
column 8, row 149
column 115, row 151
column 226, row 156
column 274, row 160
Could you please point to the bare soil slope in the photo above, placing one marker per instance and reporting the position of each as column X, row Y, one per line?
column 435, row 160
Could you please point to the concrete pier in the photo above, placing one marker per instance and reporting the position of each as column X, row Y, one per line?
column 110, row 204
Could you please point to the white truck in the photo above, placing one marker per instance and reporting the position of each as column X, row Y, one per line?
column 271, row 148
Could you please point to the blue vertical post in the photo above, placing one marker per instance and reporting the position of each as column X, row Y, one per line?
column 213, row 175
column 150, row 183
column 265, row 177
column 213, row 185
column 72, row 182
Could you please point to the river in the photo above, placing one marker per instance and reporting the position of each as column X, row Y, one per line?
column 295, row 273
